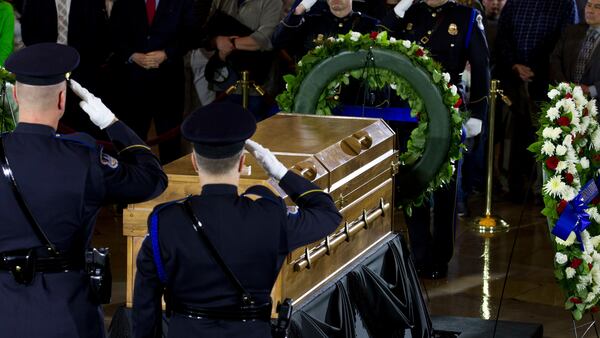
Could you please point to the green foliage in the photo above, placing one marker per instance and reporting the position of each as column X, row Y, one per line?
column 378, row 78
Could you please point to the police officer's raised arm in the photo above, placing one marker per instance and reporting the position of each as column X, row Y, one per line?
column 137, row 175
column 317, row 215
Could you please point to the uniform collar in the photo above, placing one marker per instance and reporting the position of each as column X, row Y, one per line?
column 219, row 189
column 34, row 128
column 344, row 19
column 437, row 9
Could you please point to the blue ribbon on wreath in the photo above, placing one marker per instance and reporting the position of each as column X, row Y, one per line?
column 574, row 218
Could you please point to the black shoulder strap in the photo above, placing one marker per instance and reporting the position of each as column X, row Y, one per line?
column 246, row 297
column 7, row 172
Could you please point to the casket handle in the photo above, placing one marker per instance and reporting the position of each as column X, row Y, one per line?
column 306, row 169
column 357, row 142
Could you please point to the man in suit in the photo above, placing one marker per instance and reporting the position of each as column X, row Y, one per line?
column 150, row 38
column 252, row 236
column 576, row 57
column 63, row 182
column 81, row 24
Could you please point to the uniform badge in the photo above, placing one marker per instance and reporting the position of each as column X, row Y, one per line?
column 409, row 26
column 480, row 22
column 292, row 210
column 108, row 161
column 453, row 29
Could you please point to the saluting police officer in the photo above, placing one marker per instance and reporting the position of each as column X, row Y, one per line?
column 298, row 31
column 453, row 34
column 60, row 183
column 215, row 256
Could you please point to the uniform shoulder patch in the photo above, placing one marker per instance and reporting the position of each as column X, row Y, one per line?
column 480, row 22
column 109, row 161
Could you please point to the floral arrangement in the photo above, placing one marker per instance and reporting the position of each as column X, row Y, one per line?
column 568, row 148
column 7, row 120
column 378, row 78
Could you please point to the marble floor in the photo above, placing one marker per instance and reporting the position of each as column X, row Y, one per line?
column 476, row 273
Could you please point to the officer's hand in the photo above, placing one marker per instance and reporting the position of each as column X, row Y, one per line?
column 266, row 159
column 401, row 7
column 304, row 6
column 473, row 127
column 524, row 72
column 93, row 106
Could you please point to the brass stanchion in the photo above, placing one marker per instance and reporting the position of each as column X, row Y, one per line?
column 491, row 223
column 246, row 85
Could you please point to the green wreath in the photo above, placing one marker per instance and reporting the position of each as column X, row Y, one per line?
column 7, row 119
column 405, row 67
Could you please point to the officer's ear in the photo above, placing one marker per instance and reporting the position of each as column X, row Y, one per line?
column 62, row 99
column 194, row 163
column 241, row 163
column 14, row 93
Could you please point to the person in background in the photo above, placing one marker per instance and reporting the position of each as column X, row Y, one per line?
column 7, row 28
column 527, row 33
column 83, row 25
column 179, row 259
column 576, row 57
column 149, row 43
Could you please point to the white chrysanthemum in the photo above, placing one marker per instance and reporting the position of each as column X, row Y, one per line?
column 570, row 272
column 340, row 39
column 453, row 89
column 569, row 106
column 585, row 279
column 560, row 258
column 571, row 158
column 585, row 163
column 406, row 43
column 555, row 186
column 568, row 140
column 590, row 297
column 331, row 38
column 569, row 193
column 354, row 36
column 560, row 149
column 592, row 109
column 446, row 76
column 393, row 40
column 318, row 46
column 552, row 113
column 579, row 97
column 584, row 124
column 575, row 120
column 564, row 87
column 581, row 286
column 553, row 93
column 593, row 212
column 567, row 242
column 548, row 148
column 586, row 256
column 595, row 255
column 393, row 86
column 551, row 133
column 562, row 165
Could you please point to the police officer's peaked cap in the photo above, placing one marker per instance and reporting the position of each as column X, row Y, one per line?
column 43, row 64
column 219, row 130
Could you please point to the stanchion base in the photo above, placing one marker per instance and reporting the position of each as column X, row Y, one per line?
column 490, row 224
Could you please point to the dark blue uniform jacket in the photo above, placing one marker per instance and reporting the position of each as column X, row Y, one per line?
column 64, row 180
column 457, row 36
column 252, row 236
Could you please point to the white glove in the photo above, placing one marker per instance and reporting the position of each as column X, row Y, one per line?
column 307, row 4
column 99, row 114
column 473, row 127
column 401, row 7
column 267, row 160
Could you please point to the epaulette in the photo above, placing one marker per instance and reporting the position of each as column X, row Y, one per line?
column 263, row 192
column 153, row 233
column 79, row 138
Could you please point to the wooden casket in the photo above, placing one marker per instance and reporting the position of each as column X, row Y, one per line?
column 352, row 158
